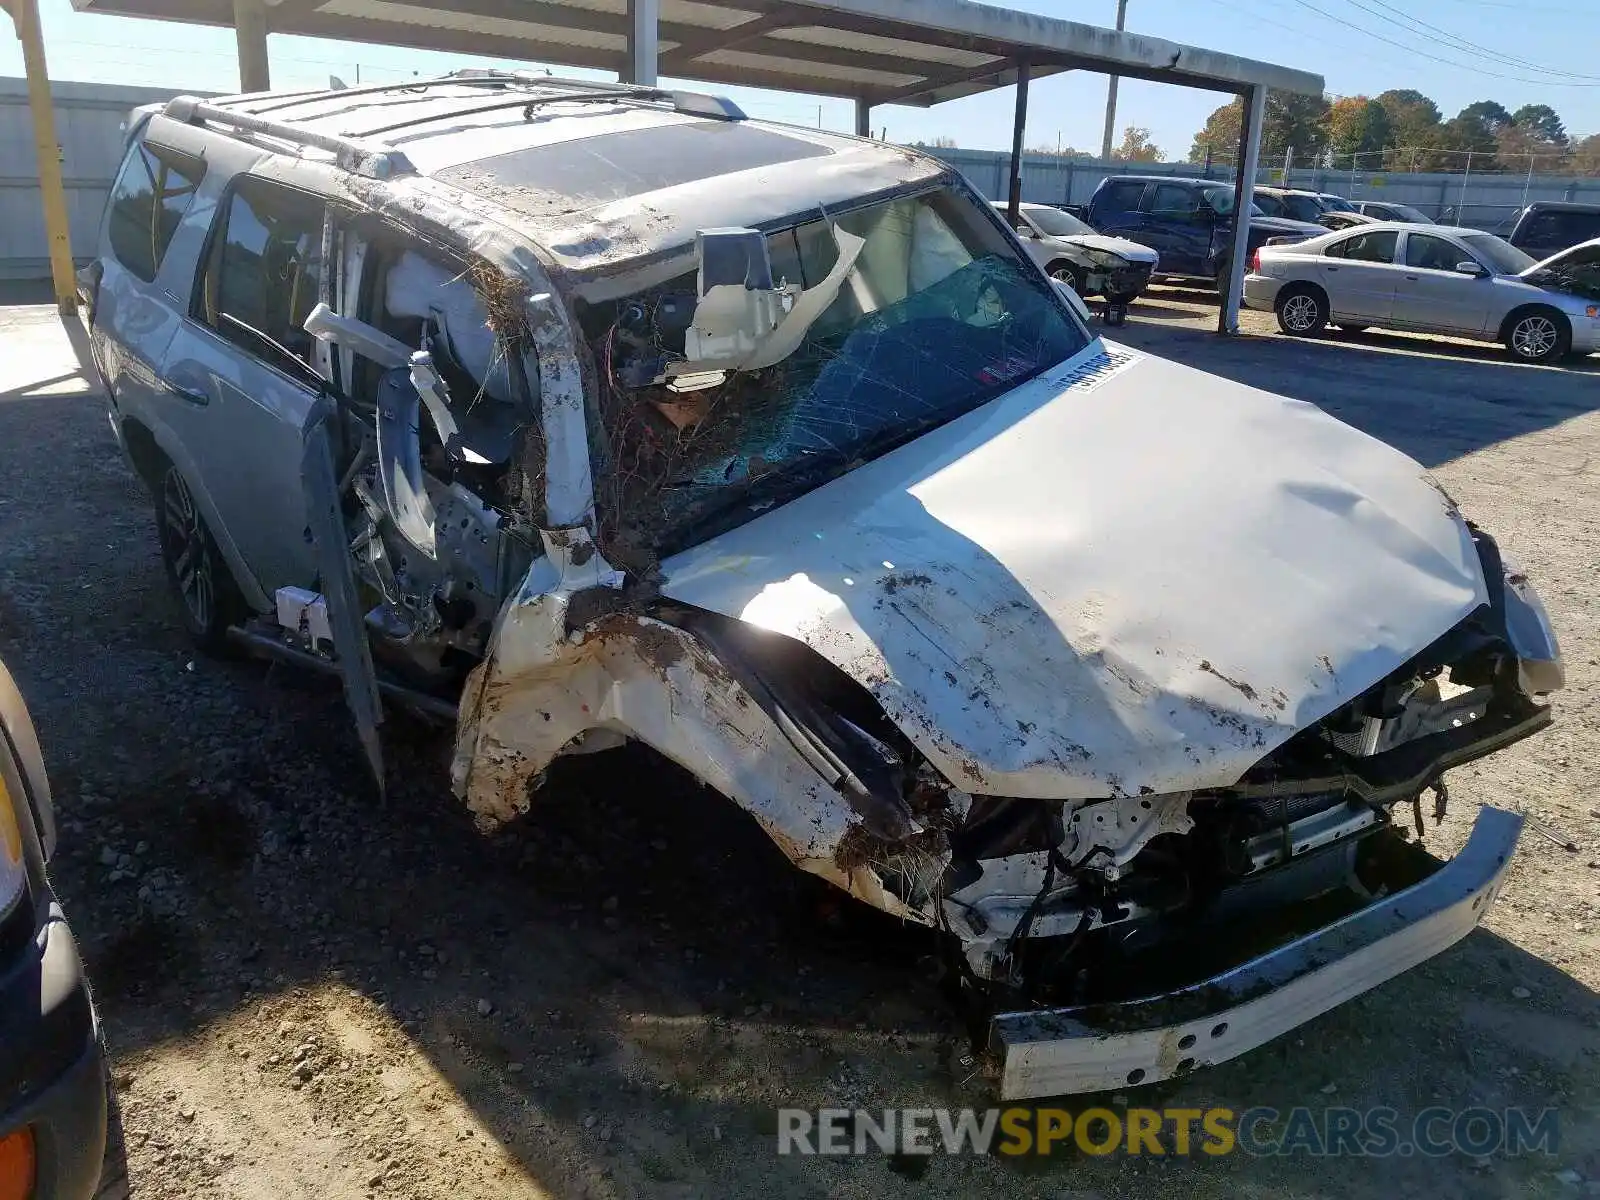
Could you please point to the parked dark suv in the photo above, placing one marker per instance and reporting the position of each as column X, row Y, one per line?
column 1189, row 222
column 1550, row 226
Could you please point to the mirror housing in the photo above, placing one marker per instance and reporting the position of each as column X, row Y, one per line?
column 1471, row 268
column 1073, row 300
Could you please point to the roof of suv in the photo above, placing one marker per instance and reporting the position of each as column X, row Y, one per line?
column 1561, row 206
column 1165, row 179
column 593, row 172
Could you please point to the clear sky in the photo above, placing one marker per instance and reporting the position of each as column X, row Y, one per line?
column 1535, row 51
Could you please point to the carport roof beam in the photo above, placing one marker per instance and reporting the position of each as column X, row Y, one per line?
column 917, row 52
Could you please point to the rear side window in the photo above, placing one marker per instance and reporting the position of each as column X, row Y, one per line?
column 1562, row 228
column 1174, row 198
column 1120, row 197
column 1375, row 247
column 1429, row 253
column 1302, row 208
column 153, row 191
column 263, row 272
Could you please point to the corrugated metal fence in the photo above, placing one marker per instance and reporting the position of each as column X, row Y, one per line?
column 1483, row 200
column 89, row 119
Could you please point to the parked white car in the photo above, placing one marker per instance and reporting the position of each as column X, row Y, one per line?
column 1092, row 264
column 1428, row 278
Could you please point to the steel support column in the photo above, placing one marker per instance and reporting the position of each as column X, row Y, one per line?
column 250, row 35
column 25, row 15
column 1019, row 130
column 644, row 42
column 1244, row 187
column 863, row 118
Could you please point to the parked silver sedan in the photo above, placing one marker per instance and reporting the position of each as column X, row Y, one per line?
column 1428, row 278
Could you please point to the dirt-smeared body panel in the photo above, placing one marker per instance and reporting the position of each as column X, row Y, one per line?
column 1144, row 579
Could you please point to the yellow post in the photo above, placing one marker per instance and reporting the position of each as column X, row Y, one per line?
column 250, row 36
column 25, row 15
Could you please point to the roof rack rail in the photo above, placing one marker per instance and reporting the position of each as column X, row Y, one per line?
column 357, row 155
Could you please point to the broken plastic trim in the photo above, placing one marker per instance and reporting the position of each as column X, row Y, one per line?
column 843, row 753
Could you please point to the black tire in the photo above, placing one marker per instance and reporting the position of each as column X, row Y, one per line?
column 1537, row 335
column 1068, row 274
column 1302, row 311
column 208, row 599
column 1116, row 314
column 1224, row 265
column 114, row 1168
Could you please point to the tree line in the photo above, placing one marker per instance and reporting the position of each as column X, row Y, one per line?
column 1401, row 130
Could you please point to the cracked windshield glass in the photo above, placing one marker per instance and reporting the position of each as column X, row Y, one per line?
column 931, row 314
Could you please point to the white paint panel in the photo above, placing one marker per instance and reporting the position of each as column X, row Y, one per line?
column 1149, row 581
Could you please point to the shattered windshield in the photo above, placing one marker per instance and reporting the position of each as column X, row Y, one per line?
column 926, row 313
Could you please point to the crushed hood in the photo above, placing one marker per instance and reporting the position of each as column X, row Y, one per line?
column 1132, row 251
column 1559, row 258
column 1122, row 575
column 1286, row 225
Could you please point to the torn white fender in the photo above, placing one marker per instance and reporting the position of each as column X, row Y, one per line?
column 545, row 685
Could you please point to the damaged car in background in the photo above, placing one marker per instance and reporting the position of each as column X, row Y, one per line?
column 581, row 413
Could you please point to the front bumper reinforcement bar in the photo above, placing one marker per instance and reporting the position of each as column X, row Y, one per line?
column 1065, row 1051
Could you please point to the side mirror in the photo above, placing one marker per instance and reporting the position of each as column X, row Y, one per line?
column 1471, row 268
column 1073, row 299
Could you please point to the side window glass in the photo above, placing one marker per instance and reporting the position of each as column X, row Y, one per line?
column 1174, row 200
column 1429, row 253
column 1577, row 227
column 1366, row 247
column 153, row 192
column 263, row 273
column 1122, row 197
column 1540, row 227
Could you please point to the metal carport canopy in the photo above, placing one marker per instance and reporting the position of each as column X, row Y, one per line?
column 916, row 52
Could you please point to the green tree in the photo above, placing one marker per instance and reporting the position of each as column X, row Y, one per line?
column 1586, row 155
column 1415, row 124
column 1137, row 146
column 1288, row 120
column 1357, row 125
column 1492, row 113
column 1292, row 120
column 1219, row 136
column 1540, row 122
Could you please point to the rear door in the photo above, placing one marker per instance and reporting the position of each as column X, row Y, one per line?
column 1433, row 295
column 1176, row 227
column 1116, row 209
column 135, row 310
column 242, row 362
column 1360, row 276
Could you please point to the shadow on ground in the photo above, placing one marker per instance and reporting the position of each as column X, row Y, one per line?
column 1435, row 407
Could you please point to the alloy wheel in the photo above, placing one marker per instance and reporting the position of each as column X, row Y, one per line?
column 184, row 541
column 1300, row 312
column 1534, row 336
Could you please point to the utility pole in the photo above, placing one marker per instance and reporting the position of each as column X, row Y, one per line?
column 1111, row 90
column 1288, row 163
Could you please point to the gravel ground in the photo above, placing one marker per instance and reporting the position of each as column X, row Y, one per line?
column 309, row 993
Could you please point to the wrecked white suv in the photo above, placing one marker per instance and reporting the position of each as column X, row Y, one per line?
column 580, row 413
